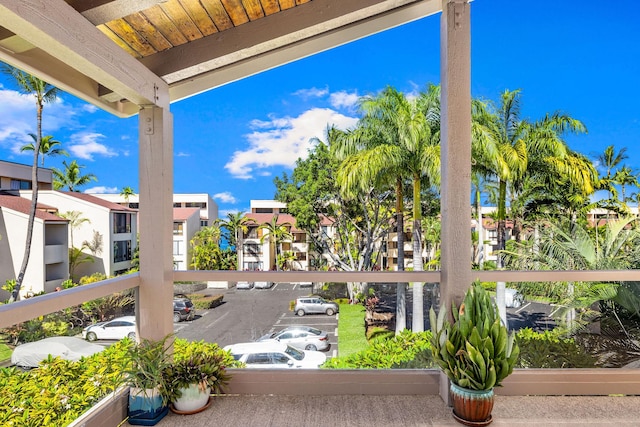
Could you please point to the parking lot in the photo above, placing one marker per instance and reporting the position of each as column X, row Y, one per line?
column 247, row 314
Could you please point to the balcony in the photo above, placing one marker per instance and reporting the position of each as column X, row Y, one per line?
column 54, row 254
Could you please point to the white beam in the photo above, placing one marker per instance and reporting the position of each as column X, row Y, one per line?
column 67, row 39
column 293, row 34
column 155, row 293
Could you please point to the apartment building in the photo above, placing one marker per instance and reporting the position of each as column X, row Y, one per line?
column 207, row 206
column 186, row 223
column 259, row 250
column 105, row 231
column 48, row 263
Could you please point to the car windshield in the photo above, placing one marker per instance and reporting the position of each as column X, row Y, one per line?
column 313, row 331
column 296, row 354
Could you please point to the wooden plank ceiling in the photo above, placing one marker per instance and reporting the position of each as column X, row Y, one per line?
column 176, row 22
column 189, row 45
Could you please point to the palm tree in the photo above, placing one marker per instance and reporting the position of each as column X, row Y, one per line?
column 608, row 161
column 126, row 193
column 236, row 225
column 276, row 233
column 624, row 177
column 47, row 147
column 71, row 178
column 75, row 220
column 407, row 146
column 43, row 93
column 513, row 144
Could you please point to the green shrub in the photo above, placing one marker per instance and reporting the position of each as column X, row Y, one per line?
column 207, row 302
column 401, row 351
column 95, row 277
column 549, row 349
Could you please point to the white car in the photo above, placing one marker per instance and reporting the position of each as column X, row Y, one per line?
column 300, row 337
column 115, row 329
column 275, row 355
column 244, row 285
column 263, row 285
column 29, row 355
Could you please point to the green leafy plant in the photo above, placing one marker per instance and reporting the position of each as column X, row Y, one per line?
column 204, row 364
column 550, row 349
column 475, row 351
column 146, row 363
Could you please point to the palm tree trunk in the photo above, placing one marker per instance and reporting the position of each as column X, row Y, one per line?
column 401, row 292
column 500, row 286
column 32, row 211
column 417, row 324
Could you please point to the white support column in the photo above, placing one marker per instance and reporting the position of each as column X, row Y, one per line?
column 455, row 74
column 155, row 294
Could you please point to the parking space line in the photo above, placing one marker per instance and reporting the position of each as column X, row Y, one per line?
column 523, row 307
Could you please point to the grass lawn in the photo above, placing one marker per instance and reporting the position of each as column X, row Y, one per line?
column 351, row 334
column 5, row 352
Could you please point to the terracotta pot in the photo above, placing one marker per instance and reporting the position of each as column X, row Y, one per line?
column 472, row 407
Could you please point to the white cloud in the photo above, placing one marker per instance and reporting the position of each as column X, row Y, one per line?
column 225, row 197
column 89, row 108
column 284, row 141
column 224, row 212
column 182, row 154
column 86, row 145
column 18, row 118
column 344, row 99
column 102, row 190
column 313, row 92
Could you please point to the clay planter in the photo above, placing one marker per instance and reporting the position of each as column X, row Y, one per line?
column 472, row 407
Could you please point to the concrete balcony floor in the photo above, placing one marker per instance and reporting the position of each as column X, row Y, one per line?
column 407, row 411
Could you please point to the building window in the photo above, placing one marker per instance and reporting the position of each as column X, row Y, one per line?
column 253, row 265
column 18, row 184
column 178, row 247
column 177, row 204
column 252, row 233
column 204, row 223
column 122, row 250
column 134, row 205
column 177, row 228
column 300, row 237
column 121, row 223
column 200, row 205
column 263, row 210
column 301, row 256
column 252, row 249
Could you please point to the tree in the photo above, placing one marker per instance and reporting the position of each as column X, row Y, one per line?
column 126, row 193
column 625, row 177
column 235, row 226
column 47, row 147
column 95, row 245
column 511, row 143
column 344, row 231
column 71, row 177
column 405, row 144
column 43, row 93
column 276, row 233
column 75, row 221
column 206, row 253
column 77, row 257
column 608, row 161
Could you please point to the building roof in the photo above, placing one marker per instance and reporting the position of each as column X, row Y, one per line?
column 22, row 205
column 183, row 214
column 98, row 201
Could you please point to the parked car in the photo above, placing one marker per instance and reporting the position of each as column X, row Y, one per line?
column 183, row 309
column 263, row 285
column 311, row 305
column 115, row 329
column 29, row 355
column 275, row 355
column 244, row 285
column 513, row 298
column 301, row 337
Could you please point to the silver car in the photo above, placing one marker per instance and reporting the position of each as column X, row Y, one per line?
column 301, row 337
column 310, row 305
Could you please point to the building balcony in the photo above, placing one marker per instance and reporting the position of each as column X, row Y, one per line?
column 54, row 254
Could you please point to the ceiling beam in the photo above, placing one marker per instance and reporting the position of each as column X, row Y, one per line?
column 68, row 43
column 109, row 10
column 293, row 34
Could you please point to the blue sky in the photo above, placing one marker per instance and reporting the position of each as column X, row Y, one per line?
column 582, row 58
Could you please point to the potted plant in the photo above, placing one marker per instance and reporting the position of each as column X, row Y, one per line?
column 146, row 363
column 198, row 370
column 475, row 352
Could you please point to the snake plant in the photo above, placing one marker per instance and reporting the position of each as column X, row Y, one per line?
column 475, row 351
